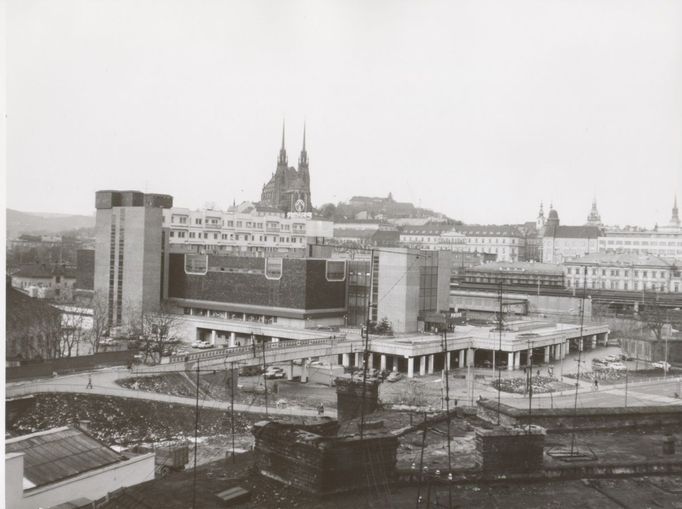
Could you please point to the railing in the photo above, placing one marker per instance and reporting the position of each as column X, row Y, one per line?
column 236, row 350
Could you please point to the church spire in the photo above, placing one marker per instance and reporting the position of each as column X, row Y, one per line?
column 303, row 159
column 282, row 161
column 675, row 219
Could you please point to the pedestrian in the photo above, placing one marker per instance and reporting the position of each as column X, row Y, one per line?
column 596, row 384
column 89, row 386
column 320, row 409
column 538, row 372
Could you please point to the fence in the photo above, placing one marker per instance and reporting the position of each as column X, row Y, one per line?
column 69, row 365
column 280, row 345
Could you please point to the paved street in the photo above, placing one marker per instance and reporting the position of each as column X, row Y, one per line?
column 103, row 382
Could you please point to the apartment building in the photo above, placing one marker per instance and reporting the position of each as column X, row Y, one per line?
column 246, row 229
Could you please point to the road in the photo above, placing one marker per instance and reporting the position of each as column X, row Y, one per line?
column 103, row 383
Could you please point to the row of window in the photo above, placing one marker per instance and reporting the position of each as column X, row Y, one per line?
column 641, row 243
column 228, row 315
column 234, row 236
column 616, row 273
column 198, row 221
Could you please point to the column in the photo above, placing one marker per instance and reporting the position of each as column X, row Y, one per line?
column 470, row 357
column 448, row 362
column 517, row 360
column 243, row 317
column 370, row 360
column 462, row 359
column 290, row 373
column 510, row 360
column 581, row 345
column 304, row 370
column 547, row 354
column 213, row 337
column 382, row 362
column 233, row 339
column 422, row 365
column 345, row 360
column 410, row 367
column 430, row 366
column 594, row 341
column 358, row 360
column 606, row 338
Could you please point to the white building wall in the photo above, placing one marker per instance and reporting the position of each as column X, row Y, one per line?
column 93, row 485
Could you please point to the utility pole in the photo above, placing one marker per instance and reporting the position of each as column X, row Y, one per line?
column 499, row 371
column 447, row 402
column 196, row 441
column 365, row 350
column 580, row 351
column 232, row 376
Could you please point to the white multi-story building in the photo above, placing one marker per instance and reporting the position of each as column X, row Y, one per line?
column 249, row 229
column 505, row 241
column 431, row 237
column 667, row 244
column 625, row 271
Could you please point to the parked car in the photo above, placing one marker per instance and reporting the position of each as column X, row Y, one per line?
column 394, row 376
column 274, row 372
column 617, row 366
column 108, row 342
column 202, row 344
column 661, row 365
column 612, row 358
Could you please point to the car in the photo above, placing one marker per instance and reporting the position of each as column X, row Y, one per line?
column 661, row 364
column 612, row 358
column 394, row 376
column 598, row 362
column 616, row 366
column 274, row 372
column 202, row 344
column 108, row 342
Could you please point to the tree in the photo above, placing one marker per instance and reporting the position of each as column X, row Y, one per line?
column 384, row 327
column 654, row 315
column 156, row 331
column 100, row 321
column 72, row 333
column 328, row 211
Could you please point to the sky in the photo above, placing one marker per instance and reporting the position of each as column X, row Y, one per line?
column 479, row 109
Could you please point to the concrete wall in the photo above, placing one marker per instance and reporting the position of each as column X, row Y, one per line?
column 69, row 364
column 349, row 394
column 93, row 485
column 586, row 418
column 512, row 450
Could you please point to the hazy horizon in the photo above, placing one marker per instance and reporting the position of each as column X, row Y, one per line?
column 476, row 109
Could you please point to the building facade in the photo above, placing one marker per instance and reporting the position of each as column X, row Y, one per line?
column 628, row 272
column 560, row 242
column 403, row 285
column 505, row 241
column 247, row 230
column 131, row 253
column 45, row 281
column 518, row 274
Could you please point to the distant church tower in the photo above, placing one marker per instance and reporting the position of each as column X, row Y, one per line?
column 675, row 224
column 594, row 219
column 289, row 189
column 540, row 222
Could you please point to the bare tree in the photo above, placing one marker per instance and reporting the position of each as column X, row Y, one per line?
column 654, row 315
column 72, row 333
column 100, row 321
column 157, row 331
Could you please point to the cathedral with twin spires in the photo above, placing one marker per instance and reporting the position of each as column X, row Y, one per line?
column 289, row 189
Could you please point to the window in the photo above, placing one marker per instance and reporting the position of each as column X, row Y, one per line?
column 197, row 220
column 196, row 264
column 172, row 234
column 192, row 235
column 273, row 268
column 336, row 270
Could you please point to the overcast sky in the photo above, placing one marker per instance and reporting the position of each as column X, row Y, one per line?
column 479, row 109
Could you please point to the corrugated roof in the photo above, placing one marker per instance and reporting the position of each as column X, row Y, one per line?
column 50, row 456
column 489, row 230
column 626, row 259
column 573, row 232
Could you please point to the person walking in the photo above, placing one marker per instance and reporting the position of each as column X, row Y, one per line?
column 89, row 386
column 596, row 384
